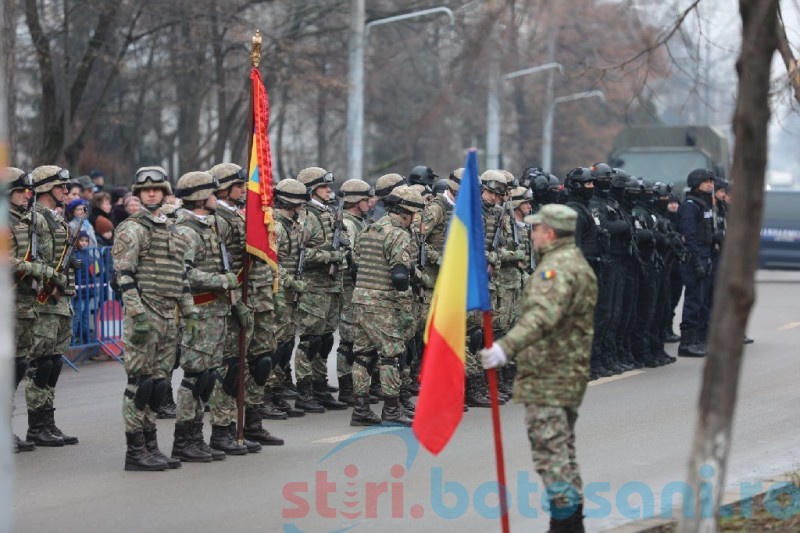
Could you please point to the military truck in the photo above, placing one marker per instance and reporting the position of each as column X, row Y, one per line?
column 669, row 153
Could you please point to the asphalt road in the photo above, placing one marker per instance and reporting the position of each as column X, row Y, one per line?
column 634, row 434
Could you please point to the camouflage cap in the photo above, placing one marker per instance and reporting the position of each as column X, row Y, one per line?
column 387, row 183
column 555, row 216
column 228, row 174
column 48, row 176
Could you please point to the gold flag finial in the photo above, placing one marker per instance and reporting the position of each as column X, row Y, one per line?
column 255, row 51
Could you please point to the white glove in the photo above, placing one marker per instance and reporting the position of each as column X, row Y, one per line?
column 493, row 357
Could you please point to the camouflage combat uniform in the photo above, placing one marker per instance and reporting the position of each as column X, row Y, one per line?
column 551, row 343
column 344, row 359
column 148, row 257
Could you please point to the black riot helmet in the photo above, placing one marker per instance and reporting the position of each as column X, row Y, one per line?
column 422, row 175
column 721, row 184
column 541, row 189
column 440, row 186
column 662, row 193
column 633, row 190
column 647, row 189
column 558, row 194
column 698, row 176
column 603, row 173
column 529, row 175
column 577, row 181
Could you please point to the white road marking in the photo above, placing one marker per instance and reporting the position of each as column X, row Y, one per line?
column 628, row 374
column 790, row 325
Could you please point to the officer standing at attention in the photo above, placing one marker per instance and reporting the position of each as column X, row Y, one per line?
column 148, row 256
column 551, row 343
column 696, row 223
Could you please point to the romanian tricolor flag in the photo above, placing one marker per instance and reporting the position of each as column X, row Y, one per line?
column 260, row 223
column 462, row 285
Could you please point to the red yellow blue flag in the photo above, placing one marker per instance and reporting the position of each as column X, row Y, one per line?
column 462, row 285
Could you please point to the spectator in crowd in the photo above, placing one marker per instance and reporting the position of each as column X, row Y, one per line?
column 98, row 178
column 99, row 217
column 132, row 205
column 87, row 188
column 118, row 196
column 73, row 192
column 84, row 290
column 76, row 213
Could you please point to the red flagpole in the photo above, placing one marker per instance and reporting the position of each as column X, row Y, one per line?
column 491, row 375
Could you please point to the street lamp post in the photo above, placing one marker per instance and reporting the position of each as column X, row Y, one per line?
column 547, row 128
column 493, row 110
column 359, row 32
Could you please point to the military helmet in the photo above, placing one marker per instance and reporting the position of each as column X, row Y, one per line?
column 493, row 180
column 17, row 179
column 721, row 184
column 387, row 183
column 540, row 185
column 634, row 185
column 151, row 178
column 698, row 176
column 423, row 190
column 454, row 179
column 602, row 171
column 405, row 197
column 529, row 175
column 511, row 181
column 662, row 189
column 355, row 190
column 291, row 191
column 228, row 174
column 440, row 186
column 313, row 177
column 520, row 195
column 577, row 177
column 619, row 178
column 555, row 183
column 196, row 186
column 422, row 175
column 48, row 176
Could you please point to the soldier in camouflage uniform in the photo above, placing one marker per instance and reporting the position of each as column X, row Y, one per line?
column 148, row 257
column 290, row 198
column 202, row 355
column 382, row 298
column 52, row 329
column 256, row 317
column 357, row 195
column 27, row 273
column 552, row 343
column 317, row 313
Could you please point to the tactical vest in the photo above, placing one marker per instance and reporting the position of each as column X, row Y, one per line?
column 207, row 259
column 490, row 215
column 355, row 226
column 20, row 231
column 160, row 272
column 286, row 233
column 437, row 234
column 53, row 244
column 236, row 240
column 590, row 241
column 705, row 226
column 373, row 268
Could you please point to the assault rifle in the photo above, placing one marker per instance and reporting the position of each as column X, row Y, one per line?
column 338, row 238
column 421, row 256
column 33, row 238
column 301, row 257
column 51, row 291
column 226, row 260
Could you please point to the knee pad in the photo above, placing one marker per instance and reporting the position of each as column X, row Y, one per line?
column 326, row 345
column 346, row 349
column 40, row 370
column 201, row 381
column 58, row 364
column 160, row 387
column 286, row 355
column 475, row 340
column 208, row 387
column 177, row 357
column 231, row 380
column 410, row 354
column 144, row 389
column 260, row 368
column 21, row 368
column 314, row 344
column 368, row 361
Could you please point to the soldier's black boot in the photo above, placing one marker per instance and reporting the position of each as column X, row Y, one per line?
column 51, row 425
column 289, row 390
column 138, row 458
column 483, row 385
column 279, row 401
column 200, row 442
column 346, row 390
column 362, row 414
column 305, row 400
column 151, row 443
column 23, row 445
column 688, row 346
column 222, row 440
column 184, row 447
column 270, row 411
column 474, row 396
column 253, row 430
column 251, row 445
column 702, row 339
column 393, row 412
column 324, row 396
column 167, row 410
column 405, row 401
column 507, row 382
column 670, row 336
column 39, row 431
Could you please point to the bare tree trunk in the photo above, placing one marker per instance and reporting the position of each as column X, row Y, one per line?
column 9, row 67
column 785, row 49
column 735, row 292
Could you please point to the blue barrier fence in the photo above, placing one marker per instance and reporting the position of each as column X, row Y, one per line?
column 97, row 318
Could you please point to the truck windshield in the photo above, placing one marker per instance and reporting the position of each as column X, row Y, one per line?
column 663, row 165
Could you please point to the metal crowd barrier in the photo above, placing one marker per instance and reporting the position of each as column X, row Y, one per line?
column 97, row 310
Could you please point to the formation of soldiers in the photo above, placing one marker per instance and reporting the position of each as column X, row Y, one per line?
column 179, row 263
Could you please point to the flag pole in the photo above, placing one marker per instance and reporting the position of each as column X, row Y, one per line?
column 491, row 376
column 255, row 59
